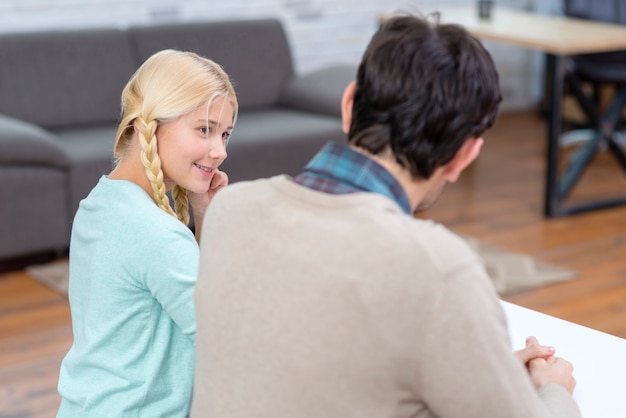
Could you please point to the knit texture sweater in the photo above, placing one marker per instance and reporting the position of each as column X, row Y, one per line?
column 133, row 269
column 318, row 305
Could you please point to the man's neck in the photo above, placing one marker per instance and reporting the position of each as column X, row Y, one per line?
column 415, row 189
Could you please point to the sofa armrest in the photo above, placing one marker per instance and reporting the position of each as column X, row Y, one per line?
column 319, row 91
column 24, row 143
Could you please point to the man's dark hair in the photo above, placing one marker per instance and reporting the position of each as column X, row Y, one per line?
column 422, row 89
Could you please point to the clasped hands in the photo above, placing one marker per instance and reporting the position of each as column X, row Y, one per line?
column 544, row 367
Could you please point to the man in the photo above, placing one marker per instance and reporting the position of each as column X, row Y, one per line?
column 322, row 296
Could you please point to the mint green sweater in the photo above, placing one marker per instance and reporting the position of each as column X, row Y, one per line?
column 133, row 269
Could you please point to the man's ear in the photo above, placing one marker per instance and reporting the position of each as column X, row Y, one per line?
column 468, row 152
column 346, row 107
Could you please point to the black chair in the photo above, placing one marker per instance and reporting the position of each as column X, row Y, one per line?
column 597, row 71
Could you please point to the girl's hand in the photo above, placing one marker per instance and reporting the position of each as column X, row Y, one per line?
column 219, row 181
column 200, row 201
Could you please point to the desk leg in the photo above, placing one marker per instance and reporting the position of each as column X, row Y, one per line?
column 557, row 188
column 555, row 66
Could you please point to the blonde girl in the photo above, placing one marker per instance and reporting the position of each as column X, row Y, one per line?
column 133, row 259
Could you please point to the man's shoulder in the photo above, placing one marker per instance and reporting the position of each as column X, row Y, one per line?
column 242, row 192
column 426, row 237
column 245, row 186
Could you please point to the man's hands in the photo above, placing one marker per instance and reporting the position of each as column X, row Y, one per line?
column 533, row 350
column 543, row 367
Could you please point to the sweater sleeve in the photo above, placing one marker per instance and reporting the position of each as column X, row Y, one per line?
column 559, row 401
column 467, row 364
column 171, row 273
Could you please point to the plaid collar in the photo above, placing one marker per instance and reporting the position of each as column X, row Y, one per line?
column 338, row 169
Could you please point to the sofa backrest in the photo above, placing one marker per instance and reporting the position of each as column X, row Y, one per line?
column 62, row 78
column 254, row 53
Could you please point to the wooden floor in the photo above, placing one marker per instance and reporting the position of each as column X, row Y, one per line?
column 498, row 200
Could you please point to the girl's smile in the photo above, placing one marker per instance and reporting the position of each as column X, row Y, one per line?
column 193, row 146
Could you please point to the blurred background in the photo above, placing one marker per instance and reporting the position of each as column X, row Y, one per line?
column 320, row 32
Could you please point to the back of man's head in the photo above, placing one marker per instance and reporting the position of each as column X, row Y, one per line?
column 422, row 89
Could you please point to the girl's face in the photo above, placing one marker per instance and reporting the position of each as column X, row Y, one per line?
column 189, row 154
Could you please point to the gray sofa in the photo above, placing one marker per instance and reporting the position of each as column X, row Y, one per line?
column 59, row 107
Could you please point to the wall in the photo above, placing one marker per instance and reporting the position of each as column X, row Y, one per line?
column 320, row 32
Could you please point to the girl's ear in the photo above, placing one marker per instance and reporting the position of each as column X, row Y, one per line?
column 346, row 107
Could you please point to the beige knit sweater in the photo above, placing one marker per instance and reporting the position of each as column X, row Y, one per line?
column 312, row 305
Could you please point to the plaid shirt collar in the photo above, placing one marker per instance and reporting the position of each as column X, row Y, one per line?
column 337, row 169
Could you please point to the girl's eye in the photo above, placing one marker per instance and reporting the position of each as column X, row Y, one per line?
column 226, row 136
column 204, row 130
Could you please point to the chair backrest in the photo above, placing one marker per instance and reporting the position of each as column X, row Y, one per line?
column 606, row 67
column 594, row 66
column 613, row 11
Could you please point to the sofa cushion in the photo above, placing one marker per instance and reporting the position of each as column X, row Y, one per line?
column 62, row 78
column 319, row 91
column 90, row 151
column 33, row 213
column 254, row 53
column 263, row 142
column 26, row 144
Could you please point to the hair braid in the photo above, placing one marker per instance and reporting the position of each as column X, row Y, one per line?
column 152, row 163
column 181, row 203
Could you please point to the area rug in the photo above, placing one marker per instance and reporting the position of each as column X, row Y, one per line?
column 511, row 273
column 514, row 273
column 54, row 275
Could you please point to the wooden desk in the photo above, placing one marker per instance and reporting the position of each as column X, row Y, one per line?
column 557, row 37
column 598, row 358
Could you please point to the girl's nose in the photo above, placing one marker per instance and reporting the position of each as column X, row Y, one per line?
column 217, row 150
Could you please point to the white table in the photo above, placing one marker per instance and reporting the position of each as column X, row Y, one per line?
column 599, row 359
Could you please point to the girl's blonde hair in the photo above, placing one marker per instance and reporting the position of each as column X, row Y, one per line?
column 168, row 85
